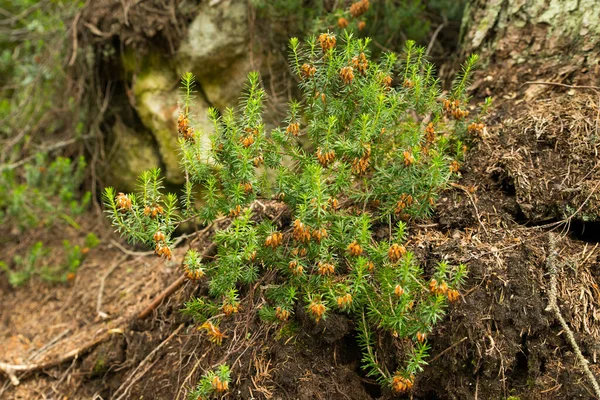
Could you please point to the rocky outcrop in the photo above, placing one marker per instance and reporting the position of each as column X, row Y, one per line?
column 215, row 50
column 133, row 152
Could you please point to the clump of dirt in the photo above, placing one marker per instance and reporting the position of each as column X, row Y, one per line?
column 139, row 25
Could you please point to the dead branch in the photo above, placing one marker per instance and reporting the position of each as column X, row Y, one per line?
column 553, row 307
column 11, row 370
column 208, row 253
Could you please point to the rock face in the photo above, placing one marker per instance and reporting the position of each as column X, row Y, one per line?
column 215, row 50
column 134, row 152
column 157, row 98
column 217, row 36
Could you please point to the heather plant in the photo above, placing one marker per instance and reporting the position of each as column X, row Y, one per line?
column 366, row 150
column 213, row 384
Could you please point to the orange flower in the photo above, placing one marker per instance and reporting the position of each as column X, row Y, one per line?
column 359, row 8
column 247, row 187
column 335, row 204
column 258, row 160
column 360, row 63
column 371, row 266
column 219, row 385
column 327, row 41
column 159, row 237
column 307, row 71
column 362, row 25
column 387, row 81
column 163, row 251
column 234, row 212
column 274, row 240
column 409, row 159
column 301, row 232
column 325, row 158
column 344, row 301
column 293, row 128
column 214, row 333
column 438, row 288
column 476, row 129
column 429, row 133
column 453, row 295
column 317, row 309
column 342, row 23
column 282, row 314
column 421, row 337
column 182, row 123
column 401, row 384
column 229, row 309
column 398, row 291
column 396, row 252
column 406, row 200
column 360, row 165
column 295, row 268
column 325, row 268
column 248, row 141
column 347, row 75
column 193, row 274
column 123, row 202
column 454, row 166
column 355, row 249
column 319, row 234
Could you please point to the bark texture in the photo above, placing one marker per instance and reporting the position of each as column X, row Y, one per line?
column 519, row 31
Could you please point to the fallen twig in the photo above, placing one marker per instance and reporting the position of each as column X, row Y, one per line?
column 464, row 189
column 208, row 252
column 553, row 306
column 447, row 350
column 101, row 289
column 11, row 370
column 560, row 84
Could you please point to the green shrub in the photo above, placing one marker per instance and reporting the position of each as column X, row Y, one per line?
column 43, row 192
column 37, row 197
column 35, row 263
column 369, row 147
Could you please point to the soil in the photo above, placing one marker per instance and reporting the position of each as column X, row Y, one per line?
column 533, row 171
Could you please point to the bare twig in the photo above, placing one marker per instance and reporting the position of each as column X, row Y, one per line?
column 553, row 307
column 102, row 282
column 464, row 189
column 433, row 37
column 75, row 45
column 560, row 84
column 447, row 350
column 209, row 252
column 48, row 345
column 11, row 370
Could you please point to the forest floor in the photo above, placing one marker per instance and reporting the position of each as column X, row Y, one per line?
column 534, row 171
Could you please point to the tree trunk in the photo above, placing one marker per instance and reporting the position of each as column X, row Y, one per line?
column 520, row 31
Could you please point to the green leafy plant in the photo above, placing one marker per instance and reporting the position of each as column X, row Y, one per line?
column 368, row 149
column 213, row 384
column 44, row 192
column 35, row 263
